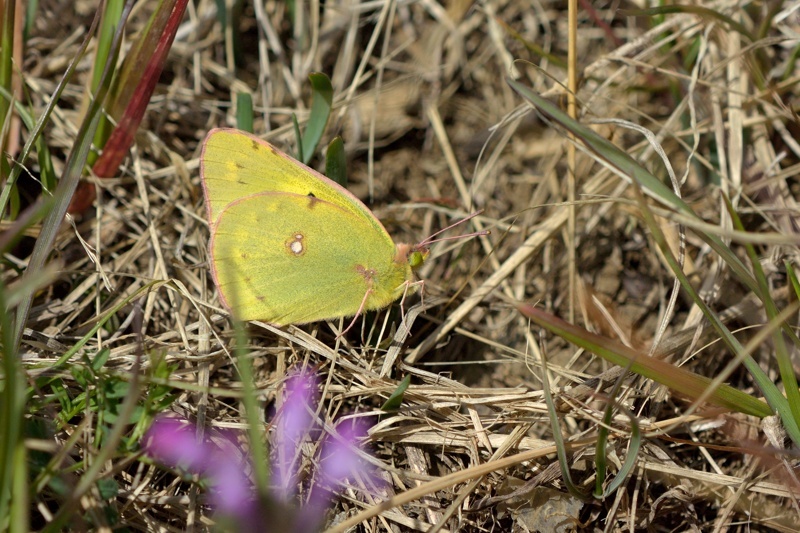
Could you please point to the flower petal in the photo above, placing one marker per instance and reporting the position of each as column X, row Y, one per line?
column 340, row 457
column 173, row 441
column 294, row 422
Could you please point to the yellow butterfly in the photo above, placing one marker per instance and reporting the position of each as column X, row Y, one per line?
column 290, row 246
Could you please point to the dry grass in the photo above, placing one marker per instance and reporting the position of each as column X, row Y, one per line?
column 433, row 132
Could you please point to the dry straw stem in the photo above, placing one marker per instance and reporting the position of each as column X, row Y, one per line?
column 433, row 132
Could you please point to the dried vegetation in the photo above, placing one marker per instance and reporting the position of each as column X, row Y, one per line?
column 433, row 131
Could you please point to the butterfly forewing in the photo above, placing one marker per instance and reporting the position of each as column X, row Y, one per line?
column 235, row 165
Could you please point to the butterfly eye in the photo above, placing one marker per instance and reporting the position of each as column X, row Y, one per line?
column 417, row 257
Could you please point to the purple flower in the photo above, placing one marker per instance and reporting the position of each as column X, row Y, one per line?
column 338, row 459
column 294, row 422
column 217, row 457
column 174, row 442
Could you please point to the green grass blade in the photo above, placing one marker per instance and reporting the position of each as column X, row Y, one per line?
column 7, row 31
column 321, row 104
column 244, row 112
column 791, row 273
column 36, row 131
column 336, row 162
column 558, row 438
column 603, row 432
column 66, row 186
column 770, row 307
column 105, row 55
column 134, row 85
column 12, row 413
column 630, row 458
column 253, row 412
column 299, row 137
column 676, row 378
column 396, row 399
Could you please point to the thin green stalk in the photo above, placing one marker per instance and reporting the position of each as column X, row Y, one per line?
column 12, row 412
column 253, row 411
column 6, row 55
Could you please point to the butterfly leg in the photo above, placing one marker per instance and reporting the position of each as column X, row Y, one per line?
column 408, row 284
column 358, row 313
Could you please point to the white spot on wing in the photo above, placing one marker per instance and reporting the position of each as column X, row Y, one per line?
column 295, row 244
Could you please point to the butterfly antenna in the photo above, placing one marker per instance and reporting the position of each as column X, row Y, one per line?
column 430, row 240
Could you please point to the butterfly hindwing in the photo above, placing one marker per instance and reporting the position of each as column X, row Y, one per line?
column 287, row 259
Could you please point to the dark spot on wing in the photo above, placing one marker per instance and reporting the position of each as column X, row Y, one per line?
column 312, row 200
column 254, row 145
column 368, row 274
column 238, row 165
